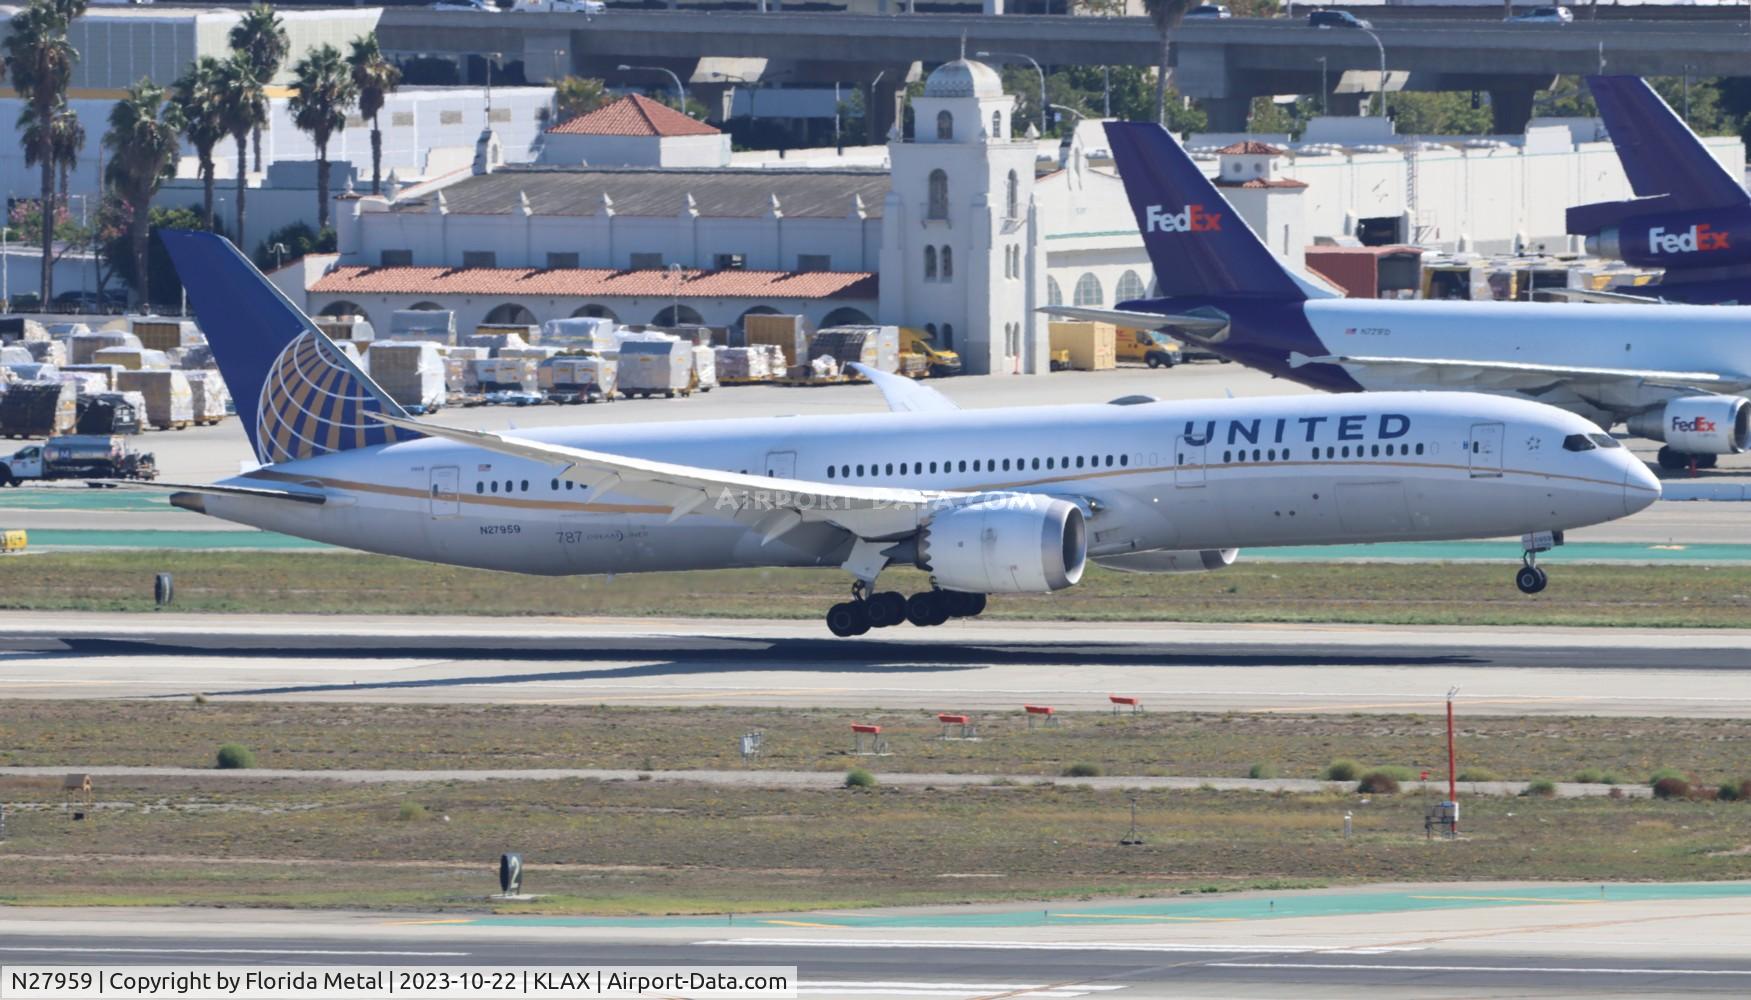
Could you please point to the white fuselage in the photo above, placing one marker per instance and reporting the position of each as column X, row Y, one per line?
column 1289, row 471
column 1685, row 338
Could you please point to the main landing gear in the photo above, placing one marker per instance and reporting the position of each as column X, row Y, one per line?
column 1673, row 460
column 1530, row 578
column 887, row 608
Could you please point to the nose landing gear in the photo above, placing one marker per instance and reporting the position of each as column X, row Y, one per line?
column 1530, row 578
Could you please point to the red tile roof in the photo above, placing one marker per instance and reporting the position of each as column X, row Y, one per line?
column 634, row 114
column 595, row 283
column 1249, row 147
column 1257, row 182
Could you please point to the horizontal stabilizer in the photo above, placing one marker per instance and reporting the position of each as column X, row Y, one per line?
column 213, row 489
column 1519, row 376
column 1134, row 320
column 1601, row 297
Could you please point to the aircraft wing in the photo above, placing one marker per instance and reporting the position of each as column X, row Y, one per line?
column 905, row 395
column 1517, row 376
column 213, row 489
column 775, row 505
column 1132, row 320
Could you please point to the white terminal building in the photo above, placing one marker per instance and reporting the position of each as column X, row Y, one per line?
column 637, row 212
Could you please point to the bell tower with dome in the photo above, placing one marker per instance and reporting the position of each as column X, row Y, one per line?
column 960, row 228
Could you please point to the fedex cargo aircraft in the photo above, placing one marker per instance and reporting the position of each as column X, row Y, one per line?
column 1674, row 373
column 998, row 501
column 1689, row 216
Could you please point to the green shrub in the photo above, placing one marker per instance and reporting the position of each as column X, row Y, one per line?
column 1378, row 782
column 1397, row 772
column 1082, row 771
column 857, row 777
column 1728, row 792
column 1479, row 774
column 234, row 756
column 1542, row 788
column 1667, row 772
column 1594, row 776
column 1262, row 771
column 1671, row 788
column 411, row 811
column 1341, row 769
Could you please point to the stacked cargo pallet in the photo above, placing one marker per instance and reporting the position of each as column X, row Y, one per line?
column 411, row 372
column 209, row 399
column 169, row 400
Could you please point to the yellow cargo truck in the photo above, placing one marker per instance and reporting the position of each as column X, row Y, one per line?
column 1152, row 347
column 938, row 361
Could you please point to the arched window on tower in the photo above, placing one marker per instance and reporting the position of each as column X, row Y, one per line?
column 948, row 336
column 948, row 263
column 1054, row 294
column 1012, row 199
column 996, row 124
column 938, row 194
column 929, row 263
column 945, row 126
column 1088, row 291
column 1130, row 287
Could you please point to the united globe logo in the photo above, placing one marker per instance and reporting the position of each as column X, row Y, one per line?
column 315, row 401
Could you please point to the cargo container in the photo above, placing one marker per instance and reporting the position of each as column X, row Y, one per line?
column 38, row 409
column 503, row 374
column 131, row 358
column 169, row 401
column 655, row 367
column 209, row 397
column 83, row 344
column 875, row 346
column 411, row 372
column 578, row 379
column 112, row 413
column 107, row 371
column 737, row 365
column 704, row 368
column 526, row 333
column 1091, row 345
column 790, row 333
column 18, row 329
column 495, row 342
column 160, row 334
column 596, row 333
column 435, row 325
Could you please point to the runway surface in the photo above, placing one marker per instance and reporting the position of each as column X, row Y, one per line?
column 1474, row 940
column 973, row 665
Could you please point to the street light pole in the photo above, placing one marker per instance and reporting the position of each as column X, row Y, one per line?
column 1037, row 69
column 1322, row 85
column 1382, row 85
column 680, row 91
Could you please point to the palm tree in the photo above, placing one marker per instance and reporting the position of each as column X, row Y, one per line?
column 1167, row 15
column 261, row 36
column 242, row 107
column 67, row 139
column 322, row 91
column 40, row 60
column 143, row 149
column 200, row 104
column 375, row 78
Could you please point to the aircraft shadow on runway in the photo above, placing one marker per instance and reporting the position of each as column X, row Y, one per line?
column 720, row 655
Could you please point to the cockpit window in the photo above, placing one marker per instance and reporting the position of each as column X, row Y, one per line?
column 1605, row 441
column 1578, row 442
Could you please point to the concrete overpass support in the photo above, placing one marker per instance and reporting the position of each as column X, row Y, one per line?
column 1510, row 109
column 1226, row 114
column 1348, row 105
column 547, row 56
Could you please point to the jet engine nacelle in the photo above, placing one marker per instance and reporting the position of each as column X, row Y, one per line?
column 1710, row 238
column 1698, row 425
column 1170, row 560
column 1008, row 544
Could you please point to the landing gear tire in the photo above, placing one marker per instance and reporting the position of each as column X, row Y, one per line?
column 927, row 608
column 848, row 619
column 1707, row 461
column 886, row 609
column 1671, row 459
column 962, row 604
column 1530, row 579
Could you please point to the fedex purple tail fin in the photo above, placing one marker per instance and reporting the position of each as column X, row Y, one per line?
column 1660, row 153
column 1199, row 246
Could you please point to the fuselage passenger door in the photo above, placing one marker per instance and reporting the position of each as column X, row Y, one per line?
column 444, row 496
column 1486, row 450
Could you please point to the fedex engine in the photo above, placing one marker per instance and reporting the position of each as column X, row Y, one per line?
column 1679, row 240
column 1013, row 543
column 1698, row 425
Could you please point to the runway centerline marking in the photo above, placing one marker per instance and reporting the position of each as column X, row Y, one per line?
column 1144, row 916
column 1519, row 899
column 803, row 923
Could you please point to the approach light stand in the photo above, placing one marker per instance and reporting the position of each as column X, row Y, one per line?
column 1132, row 839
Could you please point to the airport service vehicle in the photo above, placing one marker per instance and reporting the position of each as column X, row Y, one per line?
column 991, row 501
column 1208, row 11
column 560, row 7
column 475, row 6
column 938, row 362
column 1673, row 373
column 1152, row 347
column 78, row 456
column 1689, row 215
column 1543, row 15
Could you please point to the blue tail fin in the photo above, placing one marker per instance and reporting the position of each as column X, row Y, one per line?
column 1660, row 153
column 1199, row 246
column 297, row 394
